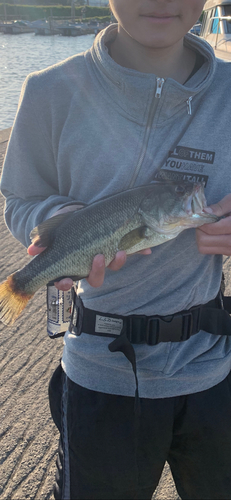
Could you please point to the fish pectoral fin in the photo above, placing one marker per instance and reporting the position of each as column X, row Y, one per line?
column 43, row 234
column 132, row 238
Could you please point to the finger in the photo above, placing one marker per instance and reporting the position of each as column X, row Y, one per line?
column 215, row 251
column 223, row 207
column 147, row 251
column 214, row 245
column 118, row 261
column 121, row 258
column 35, row 250
column 64, row 284
column 223, row 226
column 97, row 273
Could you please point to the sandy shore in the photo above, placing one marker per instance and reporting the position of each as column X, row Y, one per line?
column 27, row 359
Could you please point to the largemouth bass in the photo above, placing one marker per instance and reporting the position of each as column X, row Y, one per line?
column 131, row 220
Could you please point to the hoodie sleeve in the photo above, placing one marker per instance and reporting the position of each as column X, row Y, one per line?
column 29, row 180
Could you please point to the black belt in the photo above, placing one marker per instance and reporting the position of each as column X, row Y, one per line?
column 137, row 329
column 210, row 317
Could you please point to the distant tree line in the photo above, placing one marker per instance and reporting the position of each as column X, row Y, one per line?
column 34, row 12
column 52, row 2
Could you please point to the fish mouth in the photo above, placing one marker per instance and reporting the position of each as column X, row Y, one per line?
column 195, row 202
column 192, row 210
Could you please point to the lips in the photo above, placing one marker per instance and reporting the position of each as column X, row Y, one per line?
column 158, row 16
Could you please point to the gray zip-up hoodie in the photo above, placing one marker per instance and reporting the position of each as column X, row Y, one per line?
column 86, row 128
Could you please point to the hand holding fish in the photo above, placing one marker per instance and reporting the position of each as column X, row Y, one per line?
column 215, row 238
column 97, row 273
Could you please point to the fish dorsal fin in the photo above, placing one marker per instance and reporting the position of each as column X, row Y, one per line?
column 132, row 238
column 44, row 232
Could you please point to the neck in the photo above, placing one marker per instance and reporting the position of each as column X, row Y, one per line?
column 175, row 62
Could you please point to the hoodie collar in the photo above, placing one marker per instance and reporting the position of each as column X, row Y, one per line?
column 133, row 91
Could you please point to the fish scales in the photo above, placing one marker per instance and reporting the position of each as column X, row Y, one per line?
column 96, row 229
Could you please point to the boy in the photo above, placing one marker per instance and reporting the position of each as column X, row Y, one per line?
column 141, row 104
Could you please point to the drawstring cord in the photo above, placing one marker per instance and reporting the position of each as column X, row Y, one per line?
column 122, row 344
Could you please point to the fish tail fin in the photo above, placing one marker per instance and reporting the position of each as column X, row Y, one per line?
column 12, row 300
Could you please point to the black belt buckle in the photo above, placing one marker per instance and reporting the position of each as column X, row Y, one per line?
column 174, row 328
column 135, row 328
column 188, row 324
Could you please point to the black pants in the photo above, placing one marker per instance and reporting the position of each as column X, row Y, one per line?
column 102, row 455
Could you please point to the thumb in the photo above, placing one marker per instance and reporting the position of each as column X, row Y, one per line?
column 35, row 250
column 223, row 207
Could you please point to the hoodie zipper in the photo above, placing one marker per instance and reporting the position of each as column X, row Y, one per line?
column 189, row 105
column 152, row 112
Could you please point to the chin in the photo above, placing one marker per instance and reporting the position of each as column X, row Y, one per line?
column 156, row 40
column 157, row 43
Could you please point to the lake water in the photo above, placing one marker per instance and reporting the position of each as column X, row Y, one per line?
column 23, row 54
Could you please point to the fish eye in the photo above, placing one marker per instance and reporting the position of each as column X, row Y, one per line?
column 180, row 189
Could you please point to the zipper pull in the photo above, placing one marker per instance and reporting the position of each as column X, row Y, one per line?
column 189, row 105
column 159, row 87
